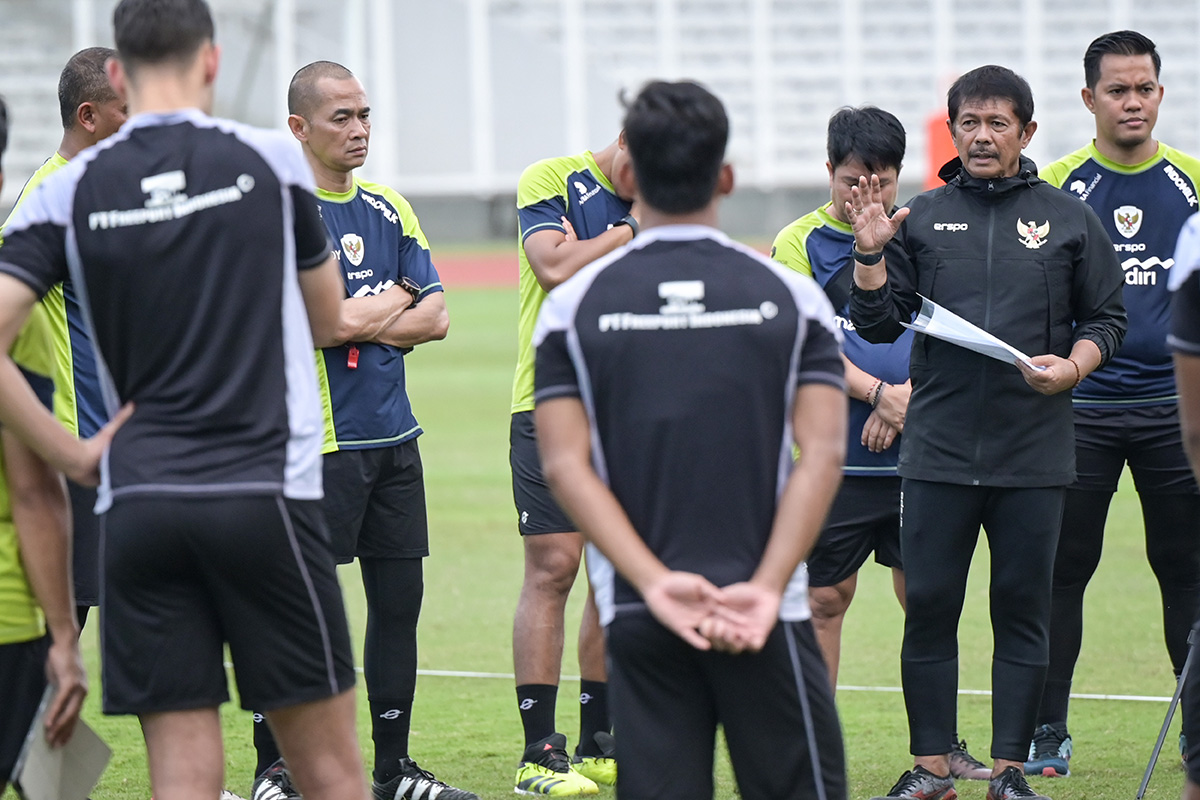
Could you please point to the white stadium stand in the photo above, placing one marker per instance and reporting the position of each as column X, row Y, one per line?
column 468, row 92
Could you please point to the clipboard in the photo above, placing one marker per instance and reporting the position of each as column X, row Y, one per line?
column 69, row 772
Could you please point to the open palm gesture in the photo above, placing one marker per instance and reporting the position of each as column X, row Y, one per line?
column 869, row 218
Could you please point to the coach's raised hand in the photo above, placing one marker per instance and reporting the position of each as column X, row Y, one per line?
column 873, row 228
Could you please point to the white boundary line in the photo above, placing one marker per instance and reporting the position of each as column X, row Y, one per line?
column 447, row 673
column 454, row 673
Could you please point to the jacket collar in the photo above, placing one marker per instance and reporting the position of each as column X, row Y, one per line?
column 953, row 173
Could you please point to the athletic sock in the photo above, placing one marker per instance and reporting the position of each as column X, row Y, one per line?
column 390, row 722
column 264, row 744
column 593, row 716
column 1056, row 697
column 536, row 703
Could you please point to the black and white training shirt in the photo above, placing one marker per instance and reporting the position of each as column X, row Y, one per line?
column 182, row 234
column 687, row 349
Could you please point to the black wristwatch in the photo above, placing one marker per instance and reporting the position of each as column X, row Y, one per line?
column 629, row 220
column 867, row 260
column 410, row 286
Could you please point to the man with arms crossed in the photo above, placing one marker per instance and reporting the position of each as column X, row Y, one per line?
column 91, row 112
column 1143, row 191
column 569, row 214
column 865, row 515
column 205, row 274
column 374, row 488
column 985, row 445
column 38, row 629
column 673, row 378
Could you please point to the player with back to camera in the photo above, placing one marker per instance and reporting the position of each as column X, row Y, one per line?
column 206, row 275
column 672, row 375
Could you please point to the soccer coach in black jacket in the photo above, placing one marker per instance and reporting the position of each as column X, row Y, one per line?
column 985, row 443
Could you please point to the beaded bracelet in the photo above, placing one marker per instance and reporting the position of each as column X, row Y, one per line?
column 1078, row 374
column 878, row 393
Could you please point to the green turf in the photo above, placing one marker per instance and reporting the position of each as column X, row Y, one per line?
column 467, row 730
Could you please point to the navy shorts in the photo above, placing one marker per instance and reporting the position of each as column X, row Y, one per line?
column 184, row 576
column 864, row 518
column 375, row 503
column 1148, row 439
column 537, row 512
column 22, row 683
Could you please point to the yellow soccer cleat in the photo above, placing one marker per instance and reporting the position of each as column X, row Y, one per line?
column 545, row 769
column 602, row 768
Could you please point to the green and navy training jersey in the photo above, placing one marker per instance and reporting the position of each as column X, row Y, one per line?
column 571, row 187
column 1143, row 207
column 20, row 617
column 819, row 245
column 377, row 241
column 78, row 403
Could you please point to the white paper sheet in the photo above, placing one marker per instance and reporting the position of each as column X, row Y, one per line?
column 933, row 320
column 69, row 772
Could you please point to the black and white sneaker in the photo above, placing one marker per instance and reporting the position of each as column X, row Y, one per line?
column 919, row 783
column 275, row 783
column 966, row 767
column 1011, row 785
column 414, row 783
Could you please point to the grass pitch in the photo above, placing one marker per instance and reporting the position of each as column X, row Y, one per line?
column 466, row 729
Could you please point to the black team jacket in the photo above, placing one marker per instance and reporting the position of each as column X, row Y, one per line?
column 1026, row 262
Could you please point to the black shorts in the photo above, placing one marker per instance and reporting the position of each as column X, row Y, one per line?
column 183, row 576
column 85, row 545
column 537, row 512
column 375, row 503
column 865, row 517
column 776, row 706
column 22, row 683
column 1148, row 439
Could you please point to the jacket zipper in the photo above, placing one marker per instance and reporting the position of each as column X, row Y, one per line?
column 987, row 324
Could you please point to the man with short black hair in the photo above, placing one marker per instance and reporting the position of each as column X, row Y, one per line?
column 91, row 112
column 198, row 252
column 865, row 516
column 986, row 443
column 1125, row 412
column 569, row 213
column 673, row 375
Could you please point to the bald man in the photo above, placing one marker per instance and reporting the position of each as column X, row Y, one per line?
column 374, row 488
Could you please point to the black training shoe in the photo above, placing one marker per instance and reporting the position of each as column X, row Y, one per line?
column 1050, row 752
column 275, row 783
column 414, row 783
column 921, row 784
column 1010, row 785
column 966, row 767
